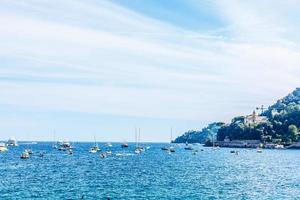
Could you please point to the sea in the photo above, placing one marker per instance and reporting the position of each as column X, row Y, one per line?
column 154, row 174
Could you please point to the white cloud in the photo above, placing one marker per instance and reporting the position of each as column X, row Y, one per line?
column 101, row 58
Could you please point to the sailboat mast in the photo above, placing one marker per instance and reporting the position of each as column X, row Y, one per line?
column 139, row 136
column 171, row 135
column 95, row 140
column 135, row 132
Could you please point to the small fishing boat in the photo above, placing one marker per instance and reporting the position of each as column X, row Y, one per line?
column 24, row 155
column 3, row 147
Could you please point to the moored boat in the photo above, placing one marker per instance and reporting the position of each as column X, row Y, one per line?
column 64, row 146
column 3, row 147
column 12, row 142
column 124, row 145
column 24, row 155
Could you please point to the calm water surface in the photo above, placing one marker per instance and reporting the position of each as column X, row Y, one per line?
column 154, row 174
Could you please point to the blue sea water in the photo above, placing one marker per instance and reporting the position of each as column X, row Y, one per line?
column 153, row 174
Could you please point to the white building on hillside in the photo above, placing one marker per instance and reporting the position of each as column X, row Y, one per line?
column 254, row 119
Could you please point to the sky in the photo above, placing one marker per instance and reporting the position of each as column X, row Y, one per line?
column 101, row 68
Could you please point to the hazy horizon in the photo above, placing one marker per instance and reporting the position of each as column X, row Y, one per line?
column 101, row 68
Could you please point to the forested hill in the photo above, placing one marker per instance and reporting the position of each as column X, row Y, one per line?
column 200, row 136
column 281, row 126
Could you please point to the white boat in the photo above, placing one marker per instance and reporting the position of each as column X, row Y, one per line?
column 109, row 152
column 12, row 142
column 108, row 144
column 29, row 151
column 138, row 148
column 103, row 155
column 279, row 146
column 170, row 148
column 259, row 150
column 95, row 148
column 64, row 146
column 3, row 147
column 137, row 151
column 24, row 155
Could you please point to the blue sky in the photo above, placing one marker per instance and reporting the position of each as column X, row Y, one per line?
column 86, row 68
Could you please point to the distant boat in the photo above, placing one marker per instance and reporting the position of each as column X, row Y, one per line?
column 70, row 151
column 29, row 151
column 138, row 148
column 279, row 146
column 259, row 150
column 64, row 146
column 108, row 144
column 12, row 142
column 189, row 148
column 3, row 147
column 103, row 155
column 55, row 144
column 170, row 148
column 95, row 148
column 124, row 145
column 109, row 152
column 24, row 155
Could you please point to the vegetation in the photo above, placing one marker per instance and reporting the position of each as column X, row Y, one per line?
column 202, row 136
column 282, row 125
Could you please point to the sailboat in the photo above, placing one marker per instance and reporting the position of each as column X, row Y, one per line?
column 187, row 145
column 95, row 148
column 54, row 145
column 170, row 149
column 138, row 148
column 29, row 149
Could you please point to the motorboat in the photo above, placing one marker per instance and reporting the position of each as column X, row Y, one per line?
column 64, row 146
column 3, row 147
column 124, row 145
column 165, row 148
column 108, row 144
column 24, row 155
column 12, row 142
column 103, row 155
column 189, row 147
column 29, row 151
column 259, row 150
column 70, row 152
column 109, row 152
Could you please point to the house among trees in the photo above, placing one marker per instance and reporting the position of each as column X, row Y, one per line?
column 254, row 119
